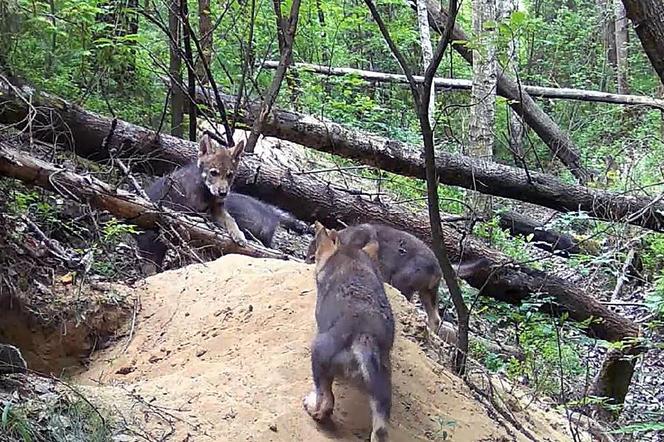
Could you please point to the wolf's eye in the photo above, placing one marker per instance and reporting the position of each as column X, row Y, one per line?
column 214, row 172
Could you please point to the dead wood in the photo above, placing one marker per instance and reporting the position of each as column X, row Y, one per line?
column 123, row 204
column 562, row 93
column 390, row 155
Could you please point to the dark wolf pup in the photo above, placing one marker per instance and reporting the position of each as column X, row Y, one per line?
column 355, row 328
column 204, row 186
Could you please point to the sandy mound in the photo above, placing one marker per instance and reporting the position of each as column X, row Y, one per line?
column 223, row 350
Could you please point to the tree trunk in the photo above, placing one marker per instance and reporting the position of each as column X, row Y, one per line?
column 205, row 36
column 427, row 51
column 647, row 17
column 310, row 199
column 559, row 143
column 606, row 13
column 191, row 73
column 393, row 156
column 515, row 127
column 460, row 84
column 622, row 87
column 175, row 69
column 613, row 380
column 482, row 122
column 122, row 204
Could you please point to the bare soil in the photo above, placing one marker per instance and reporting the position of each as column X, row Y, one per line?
column 221, row 352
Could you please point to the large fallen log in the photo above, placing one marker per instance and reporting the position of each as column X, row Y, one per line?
column 390, row 155
column 456, row 170
column 311, row 199
column 120, row 203
column 558, row 142
column 564, row 93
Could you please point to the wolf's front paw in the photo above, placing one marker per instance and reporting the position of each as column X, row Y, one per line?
column 238, row 238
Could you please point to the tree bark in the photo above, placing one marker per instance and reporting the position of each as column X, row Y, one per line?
column 606, row 13
column 120, row 203
column 175, row 70
column 613, row 380
column 205, row 35
column 559, row 143
column 390, row 155
column 647, row 17
column 461, row 84
column 481, row 126
column 515, row 127
column 622, row 86
column 310, row 199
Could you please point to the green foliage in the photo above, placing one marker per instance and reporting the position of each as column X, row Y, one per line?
column 514, row 247
column 58, row 421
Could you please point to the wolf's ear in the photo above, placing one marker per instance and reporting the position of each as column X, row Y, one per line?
column 371, row 249
column 204, row 145
column 237, row 150
column 334, row 236
column 325, row 247
column 318, row 226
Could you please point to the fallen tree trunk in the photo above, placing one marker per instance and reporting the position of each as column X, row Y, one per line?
column 390, row 155
column 311, row 200
column 559, row 143
column 461, row 84
column 120, row 203
column 456, row 170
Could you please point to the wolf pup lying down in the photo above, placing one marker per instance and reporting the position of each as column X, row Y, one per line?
column 355, row 328
column 203, row 187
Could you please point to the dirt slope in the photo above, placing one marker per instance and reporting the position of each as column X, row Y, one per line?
column 222, row 349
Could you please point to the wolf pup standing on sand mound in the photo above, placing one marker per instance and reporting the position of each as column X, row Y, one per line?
column 406, row 263
column 355, row 328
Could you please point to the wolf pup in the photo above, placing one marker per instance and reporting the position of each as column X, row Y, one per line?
column 198, row 187
column 355, row 328
column 405, row 262
column 260, row 219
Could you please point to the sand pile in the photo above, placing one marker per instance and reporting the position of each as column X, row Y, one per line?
column 221, row 352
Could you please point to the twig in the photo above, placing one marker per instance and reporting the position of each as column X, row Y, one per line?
column 133, row 326
column 52, row 245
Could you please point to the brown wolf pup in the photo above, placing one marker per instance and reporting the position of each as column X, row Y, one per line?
column 406, row 263
column 355, row 328
column 198, row 187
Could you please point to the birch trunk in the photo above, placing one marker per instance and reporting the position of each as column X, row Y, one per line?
column 622, row 86
column 483, row 93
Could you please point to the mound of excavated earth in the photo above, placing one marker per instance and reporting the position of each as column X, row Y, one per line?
column 221, row 352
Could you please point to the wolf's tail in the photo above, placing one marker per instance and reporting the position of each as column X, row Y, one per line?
column 377, row 378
